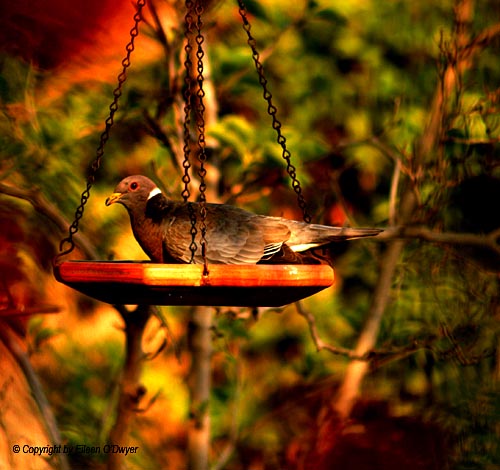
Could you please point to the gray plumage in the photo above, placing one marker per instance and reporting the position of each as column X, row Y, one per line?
column 234, row 236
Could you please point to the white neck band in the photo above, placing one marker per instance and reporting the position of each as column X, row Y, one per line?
column 154, row 192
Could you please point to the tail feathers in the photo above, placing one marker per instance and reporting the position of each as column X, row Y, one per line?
column 313, row 235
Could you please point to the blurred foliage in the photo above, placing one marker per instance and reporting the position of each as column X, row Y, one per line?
column 345, row 77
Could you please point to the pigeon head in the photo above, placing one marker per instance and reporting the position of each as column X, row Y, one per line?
column 134, row 192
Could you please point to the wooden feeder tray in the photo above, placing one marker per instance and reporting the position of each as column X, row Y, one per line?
column 145, row 282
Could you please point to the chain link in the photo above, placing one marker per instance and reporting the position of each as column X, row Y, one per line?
column 272, row 111
column 96, row 164
column 200, row 123
column 188, row 65
column 195, row 9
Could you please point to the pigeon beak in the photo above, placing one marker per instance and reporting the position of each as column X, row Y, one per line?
column 113, row 198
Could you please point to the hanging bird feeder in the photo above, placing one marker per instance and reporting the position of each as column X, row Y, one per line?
column 138, row 282
column 178, row 284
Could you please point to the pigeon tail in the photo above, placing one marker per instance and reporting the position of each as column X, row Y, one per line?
column 307, row 236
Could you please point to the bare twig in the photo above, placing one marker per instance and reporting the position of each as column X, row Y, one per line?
column 489, row 240
column 481, row 40
column 51, row 212
column 318, row 342
column 373, row 358
column 156, row 131
column 24, row 311
column 394, row 191
column 471, row 141
column 337, row 191
column 161, row 36
column 391, row 152
column 13, row 344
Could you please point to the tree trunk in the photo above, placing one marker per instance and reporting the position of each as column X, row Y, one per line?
column 200, row 346
column 130, row 390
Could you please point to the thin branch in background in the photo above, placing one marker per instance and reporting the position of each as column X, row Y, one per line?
column 160, row 34
column 264, row 54
column 28, row 311
column 394, row 154
column 12, row 343
column 374, row 358
column 155, row 130
column 169, row 335
column 393, row 194
column 51, row 212
column 377, row 358
column 457, row 351
column 490, row 240
column 168, row 136
column 318, row 342
column 481, row 40
column 340, row 198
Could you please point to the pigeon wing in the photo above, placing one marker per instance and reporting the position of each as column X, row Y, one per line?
column 234, row 236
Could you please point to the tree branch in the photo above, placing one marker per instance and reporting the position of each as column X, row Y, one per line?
column 130, row 390
column 482, row 40
column 28, row 311
column 376, row 358
column 51, row 212
column 394, row 191
column 12, row 343
column 490, row 240
column 318, row 342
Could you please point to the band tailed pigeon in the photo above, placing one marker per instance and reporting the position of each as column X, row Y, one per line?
column 234, row 236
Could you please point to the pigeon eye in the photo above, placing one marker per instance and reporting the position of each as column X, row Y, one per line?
column 134, row 186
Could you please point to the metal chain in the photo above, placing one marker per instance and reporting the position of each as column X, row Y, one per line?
column 200, row 123
column 188, row 64
column 272, row 111
column 117, row 92
column 195, row 9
